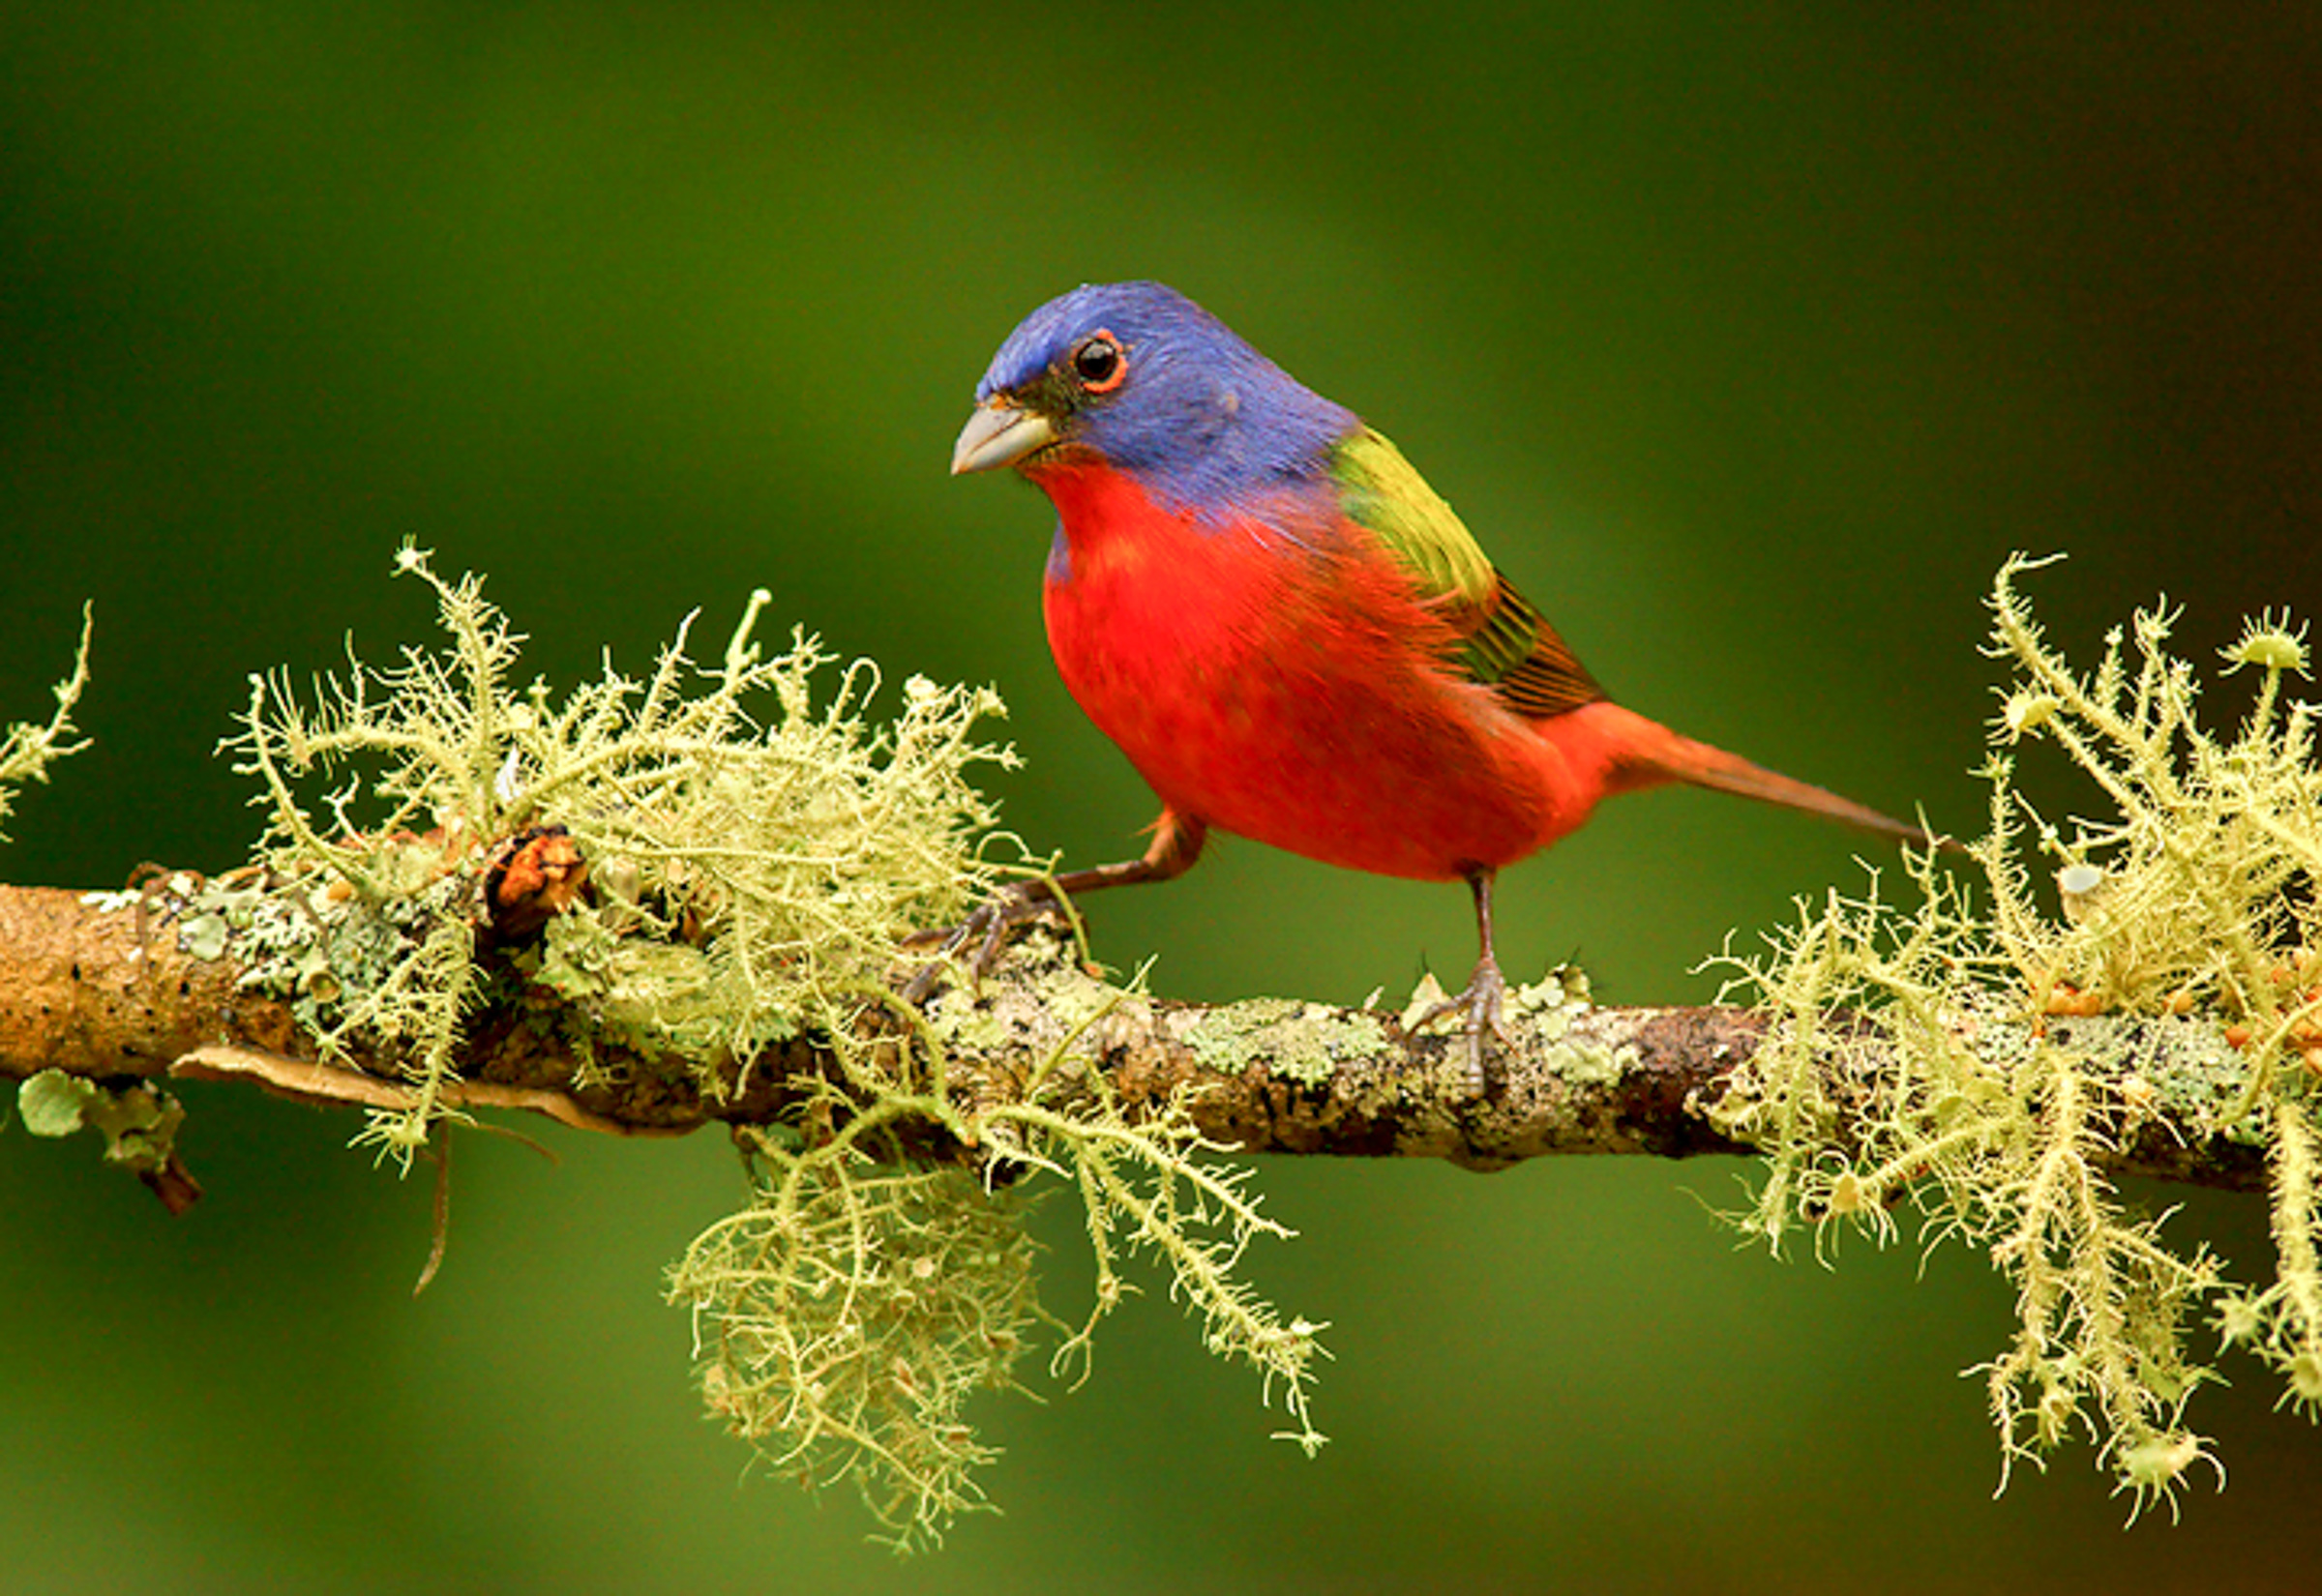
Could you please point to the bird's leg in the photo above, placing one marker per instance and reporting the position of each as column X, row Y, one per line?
column 1177, row 844
column 1486, row 991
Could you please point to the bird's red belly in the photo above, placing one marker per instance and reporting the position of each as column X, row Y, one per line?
column 1297, row 700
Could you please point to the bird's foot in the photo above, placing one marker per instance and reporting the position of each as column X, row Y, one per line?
column 1483, row 1005
column 986, row 930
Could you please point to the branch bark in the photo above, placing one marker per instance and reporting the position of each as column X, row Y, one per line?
column 103, row 989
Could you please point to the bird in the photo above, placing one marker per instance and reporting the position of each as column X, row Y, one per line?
column 1292, row 636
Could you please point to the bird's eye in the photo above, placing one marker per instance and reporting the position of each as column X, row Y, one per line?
column 1099, row 361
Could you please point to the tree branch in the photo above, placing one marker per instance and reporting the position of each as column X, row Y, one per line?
column 102, row 987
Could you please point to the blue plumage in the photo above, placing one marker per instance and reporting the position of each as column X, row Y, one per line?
column 1215, row 429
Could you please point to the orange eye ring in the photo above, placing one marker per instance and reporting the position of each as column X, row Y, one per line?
column 1099, row 362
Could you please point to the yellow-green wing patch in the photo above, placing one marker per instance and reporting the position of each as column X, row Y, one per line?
column 1505, row 645
column 1380, row 490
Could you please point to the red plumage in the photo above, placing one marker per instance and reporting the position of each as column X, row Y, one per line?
column 1304, row 697
column 1301, row 692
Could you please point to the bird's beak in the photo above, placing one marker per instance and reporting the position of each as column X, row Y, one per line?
column 999, row 433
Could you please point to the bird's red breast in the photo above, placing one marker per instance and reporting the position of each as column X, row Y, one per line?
column 1290, row 686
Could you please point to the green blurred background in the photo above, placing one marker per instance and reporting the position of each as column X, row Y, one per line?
column 1749, row 338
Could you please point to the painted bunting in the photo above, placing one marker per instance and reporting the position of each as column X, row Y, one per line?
column 1291, row 635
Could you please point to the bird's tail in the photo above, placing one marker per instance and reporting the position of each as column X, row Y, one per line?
column 1649, row 754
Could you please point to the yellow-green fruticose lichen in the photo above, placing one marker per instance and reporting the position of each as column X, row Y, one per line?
column 2013, row 1048
column 758, row 851
column 844, row 1317
column 29, row 747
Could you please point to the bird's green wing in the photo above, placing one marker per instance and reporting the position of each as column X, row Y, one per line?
column 1504, row 643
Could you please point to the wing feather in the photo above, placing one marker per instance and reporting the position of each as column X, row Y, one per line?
column 1506, row 644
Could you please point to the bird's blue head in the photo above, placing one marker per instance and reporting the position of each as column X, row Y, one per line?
column 1139, row 376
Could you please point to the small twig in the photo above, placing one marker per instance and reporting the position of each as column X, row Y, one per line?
column 440, row 1225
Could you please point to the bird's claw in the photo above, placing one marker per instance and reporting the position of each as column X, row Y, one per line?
column 1483, row 1004
column 987, row 928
